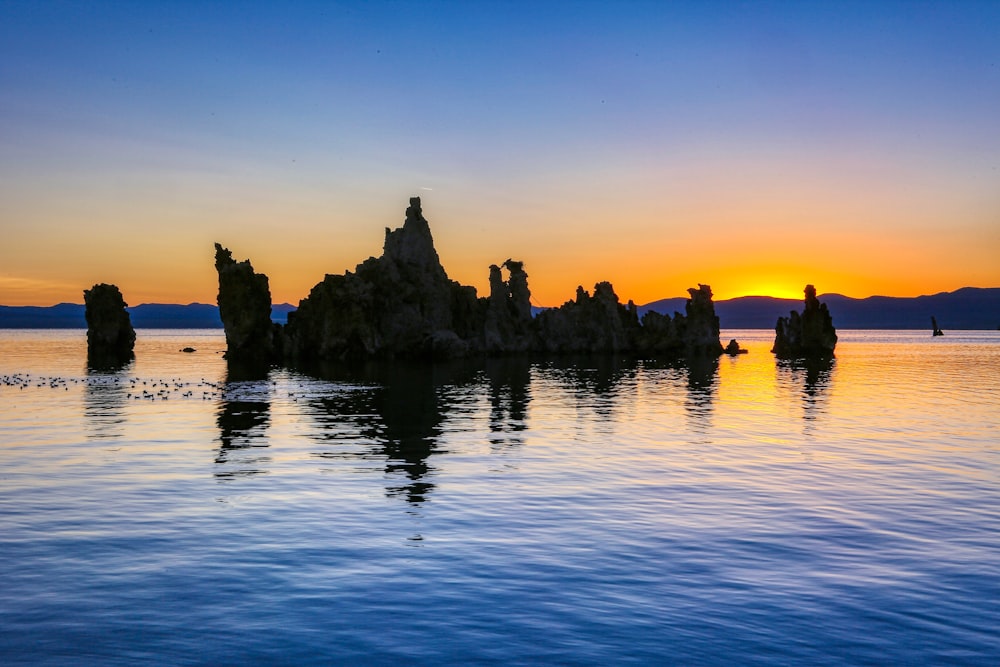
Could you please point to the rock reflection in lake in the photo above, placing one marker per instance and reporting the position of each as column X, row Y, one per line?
column 104, row 400
column 243, row 418
column 392, row 416
column 702, row 386
column 510, row 392
column 811, row 378
column 394, row 410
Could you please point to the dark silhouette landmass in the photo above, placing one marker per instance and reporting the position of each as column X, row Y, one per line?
column 809, row 334
column 110, row 336
column 969, row 308
column 403, row 305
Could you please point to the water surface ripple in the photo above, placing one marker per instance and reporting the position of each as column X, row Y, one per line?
column 586, row 511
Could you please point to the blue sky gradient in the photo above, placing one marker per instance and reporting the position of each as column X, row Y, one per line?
column 753, row 146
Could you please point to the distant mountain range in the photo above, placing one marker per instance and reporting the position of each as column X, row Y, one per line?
column 966, row 308
column 145, row 316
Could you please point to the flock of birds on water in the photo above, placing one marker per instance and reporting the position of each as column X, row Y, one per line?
column 137, row 388
column 162, row 389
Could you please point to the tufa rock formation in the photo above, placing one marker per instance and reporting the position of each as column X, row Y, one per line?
column 110, row 336
column 403, row 304
column 597, row 323
column 508, row 324
column 245, row 310
column 810, row 334
column 694, row 334
column 734, row 348
column 400, row 304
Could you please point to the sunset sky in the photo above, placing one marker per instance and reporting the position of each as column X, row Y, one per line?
column 752, row 146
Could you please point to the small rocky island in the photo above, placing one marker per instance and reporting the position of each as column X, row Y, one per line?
column 807, row 335
column 110, row 336
column 404, row 305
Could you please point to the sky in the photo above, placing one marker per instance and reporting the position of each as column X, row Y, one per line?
column 751, row 146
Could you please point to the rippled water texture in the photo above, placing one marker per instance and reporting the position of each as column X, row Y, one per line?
column 577, row 511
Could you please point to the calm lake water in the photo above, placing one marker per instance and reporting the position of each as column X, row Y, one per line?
column 586, row 511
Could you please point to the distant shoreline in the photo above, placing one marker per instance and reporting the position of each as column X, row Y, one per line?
column 969, row 308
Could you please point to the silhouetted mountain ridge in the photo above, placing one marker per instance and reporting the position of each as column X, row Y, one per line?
column 143, row 316
column 965, row 308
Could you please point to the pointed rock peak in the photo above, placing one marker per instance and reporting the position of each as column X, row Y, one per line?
column 223, row 257
column 811, row 300
column 412, row 243
column 414, row 211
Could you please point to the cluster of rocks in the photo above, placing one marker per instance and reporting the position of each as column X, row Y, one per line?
column 110, row 336
column 403, row 304
column 809, row 334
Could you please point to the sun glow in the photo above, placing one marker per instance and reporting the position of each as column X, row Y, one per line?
column 776, row 289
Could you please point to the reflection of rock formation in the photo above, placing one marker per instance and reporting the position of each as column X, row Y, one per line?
column 411, row 418
column 243, row 418
column 814, row 376
column 595, row 385
column 510, row 392
column 104, row 400
column 702, row 383
column 400, row 410
column 810, row 334
column 110, row 336
column 245, row 310
column 698, row 379
column 403, row 304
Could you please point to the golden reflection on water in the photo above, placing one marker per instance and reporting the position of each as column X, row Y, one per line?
column 884, row 396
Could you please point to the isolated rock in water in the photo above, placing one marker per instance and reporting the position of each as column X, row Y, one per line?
column 400, row 304
column 245, row 309
column 734, row 348
column 810, row 334
column 110, row 336
column 597, row 323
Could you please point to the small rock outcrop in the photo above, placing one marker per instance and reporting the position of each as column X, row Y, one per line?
column 733, row 348
column 110, row 336
column 810, row 334
column 245, row 310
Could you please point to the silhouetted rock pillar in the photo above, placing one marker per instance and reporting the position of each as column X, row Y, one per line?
column 245, row 309
column 507, row 327
column 519, row 294
column 810, row 334
column 110, row 336
column 701, row 324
